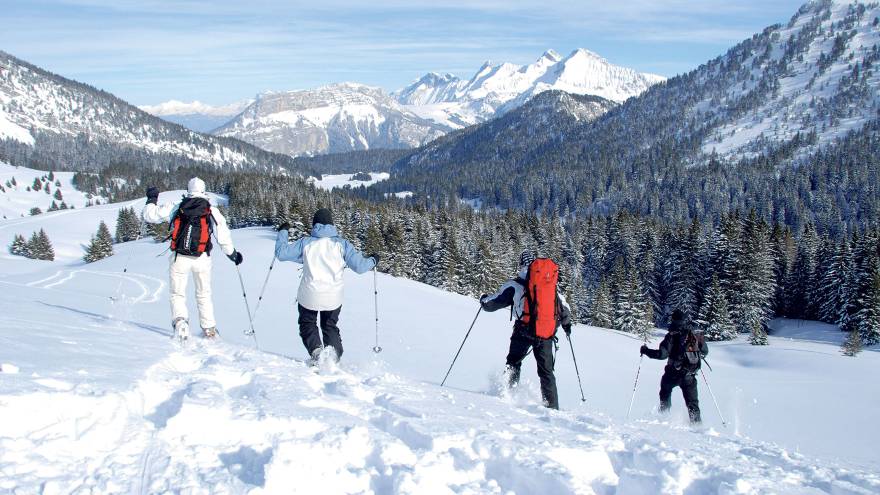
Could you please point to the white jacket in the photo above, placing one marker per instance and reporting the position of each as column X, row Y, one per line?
column 164, row 213
column 324, row 256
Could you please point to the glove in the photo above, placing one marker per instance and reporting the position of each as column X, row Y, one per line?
column 284, row 226
column 236, row 258
column 152, row 195
column 483, row 298
column 643, row 350
column 567, row 329
column 375, row 257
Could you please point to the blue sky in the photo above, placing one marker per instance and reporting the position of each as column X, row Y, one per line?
column 149, row 51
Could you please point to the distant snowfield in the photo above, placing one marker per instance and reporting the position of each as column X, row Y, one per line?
column 69, row 230
column 17, row 201
column 330, row 182
column 141, row 415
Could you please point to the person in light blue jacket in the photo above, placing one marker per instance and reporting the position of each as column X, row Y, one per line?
column 324, row 256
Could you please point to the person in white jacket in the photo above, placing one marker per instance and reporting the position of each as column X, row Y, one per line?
column 192, row 222
column 324, row 256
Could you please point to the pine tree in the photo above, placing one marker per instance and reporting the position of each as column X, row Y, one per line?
column 58, row 196
column 602, row 314
column 19, row 246
column 852, row 345
column 631, row 310
column 101, row 245
column 685, row 277
column 35, row 211
column 756, row 281
column 867, row 319
column 128, row 225
column 714, row 317
column 40, row 248
column 160, row 232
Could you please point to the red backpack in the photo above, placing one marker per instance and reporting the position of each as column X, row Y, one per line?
column 541, row 308
column 191, row 228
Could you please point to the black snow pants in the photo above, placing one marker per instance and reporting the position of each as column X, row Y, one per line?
column 520, row 344
column 688, row 382
column 308, row 329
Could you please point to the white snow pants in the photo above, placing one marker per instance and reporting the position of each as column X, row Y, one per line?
column 179, row 271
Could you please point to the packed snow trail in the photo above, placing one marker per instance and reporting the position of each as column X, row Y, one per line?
column 94, row 397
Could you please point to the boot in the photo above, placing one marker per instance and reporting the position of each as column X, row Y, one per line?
column 181, row 330
column 209, row 333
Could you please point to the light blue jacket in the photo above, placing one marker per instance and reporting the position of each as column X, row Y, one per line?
column 324, row 256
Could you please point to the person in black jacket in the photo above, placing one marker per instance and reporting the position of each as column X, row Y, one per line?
column 523, row 340
column 684, row 350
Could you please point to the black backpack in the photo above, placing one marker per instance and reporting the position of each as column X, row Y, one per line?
column 685, row 353
column 191, row 227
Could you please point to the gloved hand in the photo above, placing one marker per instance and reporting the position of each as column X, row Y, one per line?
column 643, row 350
column 284, row 226
column 236, row 258
column 567, row 329
column 483, row 298
column 375, row 257
column 153, row 195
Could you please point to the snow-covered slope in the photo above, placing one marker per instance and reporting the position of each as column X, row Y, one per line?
column 196, row 115
column 142, row 415
column 16, row 200
column 332, row 181
column 53, row 120
column 331, row 119
column 500, row 88
column 70, row 230
column 817, row 74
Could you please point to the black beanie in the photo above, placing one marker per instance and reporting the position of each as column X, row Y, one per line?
column 322, row 216
column 678, row 315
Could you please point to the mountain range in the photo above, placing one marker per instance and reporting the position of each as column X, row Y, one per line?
column 348, row 116
column 50, row 122
column 786, row 93
column 196, row 115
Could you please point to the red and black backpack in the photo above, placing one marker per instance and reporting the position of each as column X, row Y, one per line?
column 191, row 227
column 541, row 306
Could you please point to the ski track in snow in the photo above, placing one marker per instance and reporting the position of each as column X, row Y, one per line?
column 146, row 296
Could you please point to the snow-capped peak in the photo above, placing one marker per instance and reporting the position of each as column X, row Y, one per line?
column 499, row 88
column 176, row 107
column 551, row 55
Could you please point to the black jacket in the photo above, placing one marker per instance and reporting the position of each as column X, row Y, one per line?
column 672, row 348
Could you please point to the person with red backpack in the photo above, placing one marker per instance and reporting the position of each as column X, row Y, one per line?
column 192, row 222
column 538, row 309
column 683, row 349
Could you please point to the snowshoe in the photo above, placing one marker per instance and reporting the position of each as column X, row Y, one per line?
column 181, row 331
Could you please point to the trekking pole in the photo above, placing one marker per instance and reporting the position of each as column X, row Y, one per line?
column 578, row 373
column 262, row 291
column 713, row 398
column 636, row 384
column 461, row 346
column 377, row 349
column 127, row 261
column 247, row 306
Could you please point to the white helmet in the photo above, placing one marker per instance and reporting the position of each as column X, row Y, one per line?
column 196, row 187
